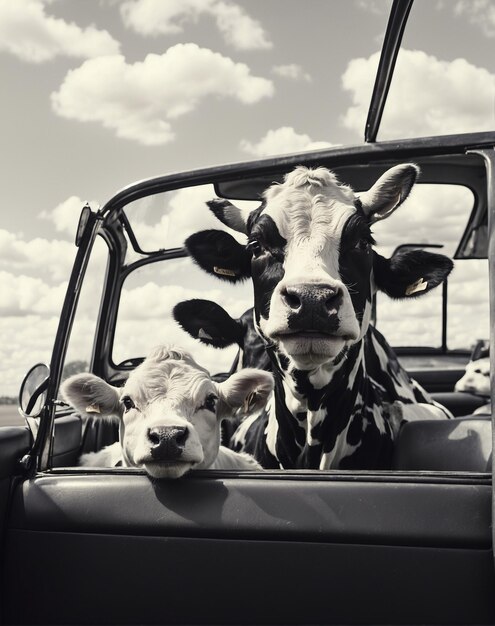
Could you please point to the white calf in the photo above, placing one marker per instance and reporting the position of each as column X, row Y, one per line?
column 477, row 380
column 170, row 412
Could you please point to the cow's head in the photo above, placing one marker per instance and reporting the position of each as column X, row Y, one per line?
column 212, row 325
column 309, row 253
column 170, row 409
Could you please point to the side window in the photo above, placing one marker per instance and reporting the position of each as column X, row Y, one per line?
column 435, row 214
column 164, row 221
column 80, row 347
column 145, row 313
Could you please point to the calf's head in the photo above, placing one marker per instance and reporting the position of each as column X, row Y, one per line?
column 170, row 410
column 476, row 379
column 309, row 253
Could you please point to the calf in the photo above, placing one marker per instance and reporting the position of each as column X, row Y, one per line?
column 170, row 412
column 340, row 393
column 476, row 380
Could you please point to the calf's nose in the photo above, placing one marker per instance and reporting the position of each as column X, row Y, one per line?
column 167, row 442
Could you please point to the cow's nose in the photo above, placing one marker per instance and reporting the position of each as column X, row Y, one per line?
column 312, row 299
column 167, row 442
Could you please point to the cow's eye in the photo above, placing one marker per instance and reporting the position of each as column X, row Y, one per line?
column 210, row 404
column 254, row 247
column 128, row 403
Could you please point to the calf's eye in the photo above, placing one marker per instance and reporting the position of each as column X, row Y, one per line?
column 210, row 404
column 128, row 403
column 254, row 247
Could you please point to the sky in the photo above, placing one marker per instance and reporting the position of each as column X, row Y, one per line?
column 97, row 94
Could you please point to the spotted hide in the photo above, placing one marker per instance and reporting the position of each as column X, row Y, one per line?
column 340, row 393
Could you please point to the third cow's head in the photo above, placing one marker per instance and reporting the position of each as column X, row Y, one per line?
column 309, row 253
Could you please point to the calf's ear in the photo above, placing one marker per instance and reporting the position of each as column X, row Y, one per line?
column 244, row 392
column 218, row 253
column 389, row 191
column 91, row 395
column 410, row 273
column 209, row 322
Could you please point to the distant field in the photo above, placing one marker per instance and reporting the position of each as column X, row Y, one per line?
column 9, row 415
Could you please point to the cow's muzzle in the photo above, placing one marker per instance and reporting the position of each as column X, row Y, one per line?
column 312, row 307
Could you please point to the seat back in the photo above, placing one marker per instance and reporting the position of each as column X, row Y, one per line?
column 459, row 402
column 460, row 445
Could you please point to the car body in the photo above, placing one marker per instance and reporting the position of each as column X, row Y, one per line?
column 107, row 546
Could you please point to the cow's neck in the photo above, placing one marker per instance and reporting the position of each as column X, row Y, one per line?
column 308, row 390
column 318, row 416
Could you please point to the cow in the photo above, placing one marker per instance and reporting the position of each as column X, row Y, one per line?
column 213, row 326
column 340, row 392
column 170, row 412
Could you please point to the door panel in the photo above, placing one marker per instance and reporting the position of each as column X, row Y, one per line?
column 118, row 579
column 260, row 548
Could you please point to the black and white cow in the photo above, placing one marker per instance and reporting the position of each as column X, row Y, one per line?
column 213, row 326
column 340, row 393
column 170, row 412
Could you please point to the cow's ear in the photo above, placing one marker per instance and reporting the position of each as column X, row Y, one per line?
column 229, row 214
column 244, row 392
column 389, row 191
column 410, row 273
column 91, row 395
column 218, row 253
column 208, row 322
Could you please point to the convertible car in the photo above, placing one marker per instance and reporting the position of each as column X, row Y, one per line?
column 411, row 545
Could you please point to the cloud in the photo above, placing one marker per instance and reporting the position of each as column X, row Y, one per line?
column 418, row 322
column 51, row 258
column 140, row 340
column 280, row 141
column 145, row 312
column 431, row 214
column 166, row 220
column 25, row 295
column 24, row 341
column 427, row 97
column 291, row 71
column 155, row 17
column 31, row 35
column 138, row 101
column 376, row 7
column 480, row 13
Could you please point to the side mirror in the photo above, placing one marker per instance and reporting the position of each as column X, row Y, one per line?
column 32, row 396
column 83, row 221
